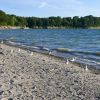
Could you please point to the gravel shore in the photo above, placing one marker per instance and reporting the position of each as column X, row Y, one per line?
column 35, row 76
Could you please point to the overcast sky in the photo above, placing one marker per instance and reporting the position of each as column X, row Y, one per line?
column 45, row 8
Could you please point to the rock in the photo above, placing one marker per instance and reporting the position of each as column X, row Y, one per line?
column 11, row 81
column 1, row 92
column 1, row 53
column 4, row 99
column 10, row 98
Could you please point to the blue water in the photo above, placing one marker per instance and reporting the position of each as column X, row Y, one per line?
column 84, row 43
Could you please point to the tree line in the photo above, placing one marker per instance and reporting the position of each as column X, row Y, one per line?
column 50, row 22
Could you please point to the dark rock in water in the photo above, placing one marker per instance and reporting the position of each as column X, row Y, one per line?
column 10, row 98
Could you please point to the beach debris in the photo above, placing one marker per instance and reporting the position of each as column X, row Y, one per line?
column 86, row 68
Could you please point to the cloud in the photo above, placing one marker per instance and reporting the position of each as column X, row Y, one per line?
column 73, row 2
column 43, row 4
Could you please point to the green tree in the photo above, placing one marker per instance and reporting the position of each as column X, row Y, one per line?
column 3, row 18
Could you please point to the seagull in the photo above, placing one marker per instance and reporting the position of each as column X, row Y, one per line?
column 31, row 53
column 73, row 59
column 67, row 62
column 50, row 52
column 86, row 68
column 11, row 50
column 19, row 50
column 1, row 42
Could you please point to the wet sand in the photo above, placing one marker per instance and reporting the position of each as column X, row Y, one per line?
column 35, row 76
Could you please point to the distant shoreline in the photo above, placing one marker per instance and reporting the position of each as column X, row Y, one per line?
column 94, row 27
column 9, row 27
column 19, row 27
column 13, row 27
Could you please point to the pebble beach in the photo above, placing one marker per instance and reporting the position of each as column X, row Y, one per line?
column 36, row 76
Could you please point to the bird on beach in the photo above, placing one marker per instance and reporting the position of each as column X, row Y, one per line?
column 11, row 50
column 2, row 42
column 73, row 59
column 31, row 53
column 19, row 50
column 50, row 52
column 86, row 68
column 67, row 61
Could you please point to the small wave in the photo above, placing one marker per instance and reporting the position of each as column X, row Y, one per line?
column 63, row 49
column 47, row 49
column 67, row 50
column 12, row 38
column 13, row 43
column 62, row 52
column 29, row 47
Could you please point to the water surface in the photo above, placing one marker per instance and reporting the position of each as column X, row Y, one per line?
column 84, row 44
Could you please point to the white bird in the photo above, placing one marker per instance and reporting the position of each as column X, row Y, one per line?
column 31, row 53
column 86, row 68
column 73, row 59
column 11, row 50
column 50, row 52
column 19, row 50
column 1, row 42
column 67, row 62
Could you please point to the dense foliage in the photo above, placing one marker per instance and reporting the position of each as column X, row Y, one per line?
column 50, row 22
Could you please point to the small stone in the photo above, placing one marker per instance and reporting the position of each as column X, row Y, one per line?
column 20, row 85
column 1, row 53
column 14, row 77
column 11, row 81
column 10, row 98
column 4, row 99
column 1, row 72
column 1, row 92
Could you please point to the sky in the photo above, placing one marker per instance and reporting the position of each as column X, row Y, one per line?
column 47, row 8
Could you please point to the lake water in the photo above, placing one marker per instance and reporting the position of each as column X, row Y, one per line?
column 84, row 44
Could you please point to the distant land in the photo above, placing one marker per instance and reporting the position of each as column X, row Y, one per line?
column 12, row 22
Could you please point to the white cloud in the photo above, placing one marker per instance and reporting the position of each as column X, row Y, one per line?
column 43, row 4
column 73, row 1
